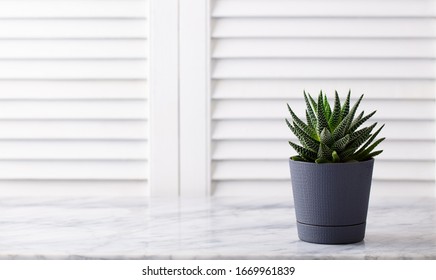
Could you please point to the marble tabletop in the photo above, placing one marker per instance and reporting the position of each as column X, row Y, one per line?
column 201, row 228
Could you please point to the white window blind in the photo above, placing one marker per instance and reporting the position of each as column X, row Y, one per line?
column 73, row 96
column 265, row 52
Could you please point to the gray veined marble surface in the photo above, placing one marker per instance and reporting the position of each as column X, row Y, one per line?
column 203, row 228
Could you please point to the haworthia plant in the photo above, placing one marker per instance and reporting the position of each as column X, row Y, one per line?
column 332, row 134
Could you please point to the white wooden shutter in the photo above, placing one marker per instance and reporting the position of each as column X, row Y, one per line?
column 73, row 96
column 265, row 52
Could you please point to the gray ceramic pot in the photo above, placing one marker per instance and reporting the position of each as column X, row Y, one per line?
column 331, row 200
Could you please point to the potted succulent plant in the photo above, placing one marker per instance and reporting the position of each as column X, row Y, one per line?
column 332, row 173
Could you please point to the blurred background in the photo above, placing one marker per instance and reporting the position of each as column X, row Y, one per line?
column 81, row 86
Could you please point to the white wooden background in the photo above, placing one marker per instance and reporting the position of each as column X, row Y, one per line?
column 265, row 52
column 187, row 97
column 74, row 97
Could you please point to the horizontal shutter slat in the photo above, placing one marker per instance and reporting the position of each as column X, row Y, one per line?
column 331, row 48
column 68, row 49
column 67, row 89
column 322, row 68
column 73, row 28
column 73, row 69
column 74, row 129
column 74, row 150
column 293, row 88
column 73, row 109
column 324, row 28
column 73, row 8
column 276, row 109
column 319, row 8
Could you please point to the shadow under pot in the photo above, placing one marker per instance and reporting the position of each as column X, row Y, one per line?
column 331, row 200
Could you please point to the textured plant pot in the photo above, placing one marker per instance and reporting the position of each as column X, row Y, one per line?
column 331, row 200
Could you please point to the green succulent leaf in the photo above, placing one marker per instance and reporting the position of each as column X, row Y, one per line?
column 306, row 139
column 298, row 122
column 360, row 137
column 358, row 122
column 297, row 158
column 333, row 135
column 326, row 137
column 364, row 131
column 335, row 118
column 373, row 154
column 322, row 120
column 346, row 106
column 304, row 153
column 370, row 140
column 341, row 129
column 335, row 157
column 364, row 154
column 324, row 152
column 310, row 114
column 309, row 122
column 340, row 144
column 293, row 129
column 314, row 104
column 327, row 109
column 353, row 111
column 289, row 125
column 346, row 155
column 358, row 118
